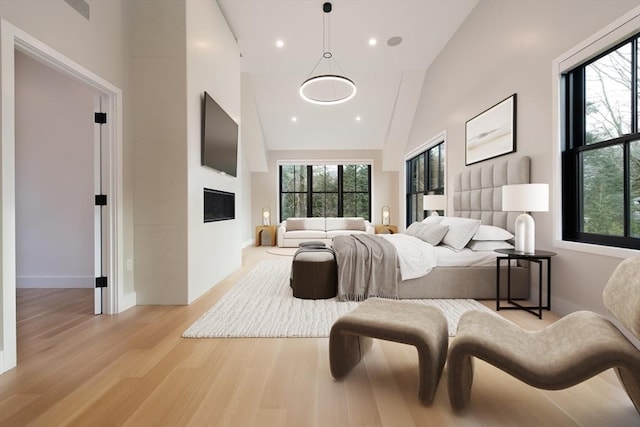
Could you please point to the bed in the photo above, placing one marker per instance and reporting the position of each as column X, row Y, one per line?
column 477, row 195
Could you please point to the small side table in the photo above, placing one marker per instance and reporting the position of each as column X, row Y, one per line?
column 537, row 257
column 386, row 229
column 271, row 229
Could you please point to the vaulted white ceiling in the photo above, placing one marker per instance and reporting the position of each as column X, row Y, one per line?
column 389, row 79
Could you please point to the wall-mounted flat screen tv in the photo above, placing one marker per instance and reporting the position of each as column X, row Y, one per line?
column 219, row 138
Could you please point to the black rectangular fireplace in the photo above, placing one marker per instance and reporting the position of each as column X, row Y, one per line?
column 219, row 205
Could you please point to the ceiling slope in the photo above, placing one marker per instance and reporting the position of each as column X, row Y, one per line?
column 389, row 79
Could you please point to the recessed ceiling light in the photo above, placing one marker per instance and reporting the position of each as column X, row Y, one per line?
column 358, row 118
column 394, row 41
column 294, row 119
column 373, row 42
column 280, row 43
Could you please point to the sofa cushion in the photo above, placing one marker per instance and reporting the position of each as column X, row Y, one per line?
column 347, row 223
column 356, row 224
column 305, row 234
column 336, row 224
column 314, row 224
column 295, row 224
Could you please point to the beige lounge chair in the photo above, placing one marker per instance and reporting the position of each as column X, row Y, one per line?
column 569, row 351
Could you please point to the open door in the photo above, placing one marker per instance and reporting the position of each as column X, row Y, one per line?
column 100, row 118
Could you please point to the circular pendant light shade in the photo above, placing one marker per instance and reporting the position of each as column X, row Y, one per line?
column 327, row 89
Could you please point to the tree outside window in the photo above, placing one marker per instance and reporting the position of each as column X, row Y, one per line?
column 601, row 160
column 325, row 191
column 425, row 175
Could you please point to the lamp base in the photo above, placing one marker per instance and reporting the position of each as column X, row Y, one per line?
column 525, row 234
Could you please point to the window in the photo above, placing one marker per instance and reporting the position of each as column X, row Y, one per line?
column 601, row 153
column 425, row 175
column 325, row 191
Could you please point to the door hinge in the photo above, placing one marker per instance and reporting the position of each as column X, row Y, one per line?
column 101, row 200
column 100, row 118
column 101, row 282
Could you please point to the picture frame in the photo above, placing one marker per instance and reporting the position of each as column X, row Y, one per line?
column 491, row 133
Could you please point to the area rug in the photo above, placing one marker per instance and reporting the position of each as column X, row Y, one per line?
column 282, row 251
column 261, row 304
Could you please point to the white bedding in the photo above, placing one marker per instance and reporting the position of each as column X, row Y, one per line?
column 415, row 257
column 465, row 257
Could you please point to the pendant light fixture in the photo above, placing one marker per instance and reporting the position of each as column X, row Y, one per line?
column 328, row 88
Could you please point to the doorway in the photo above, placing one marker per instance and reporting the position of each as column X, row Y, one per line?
column 56, row 239
column 12, row 38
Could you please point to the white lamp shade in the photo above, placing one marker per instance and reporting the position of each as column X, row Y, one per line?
column 525, row 198
column 386, row 214
column 266, row 216
column 434, row 202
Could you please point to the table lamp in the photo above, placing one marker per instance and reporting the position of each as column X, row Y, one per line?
column 386, row 213
column 266, row 216
column 434, row 203
column 525, row 198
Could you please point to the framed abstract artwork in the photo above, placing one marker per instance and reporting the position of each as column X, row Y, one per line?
column 491, row 133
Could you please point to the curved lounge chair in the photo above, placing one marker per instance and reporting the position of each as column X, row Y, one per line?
column 569, row 351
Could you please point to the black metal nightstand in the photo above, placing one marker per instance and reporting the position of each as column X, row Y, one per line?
column 537, row 257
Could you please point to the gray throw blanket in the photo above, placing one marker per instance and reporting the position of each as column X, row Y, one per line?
column 367, row 267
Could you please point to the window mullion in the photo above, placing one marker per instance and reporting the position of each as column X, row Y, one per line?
column 340, row 191
column 626, row 158
column 309, row 190
column 634, row 86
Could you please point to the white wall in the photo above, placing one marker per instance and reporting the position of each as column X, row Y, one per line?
column 384, row 184
column 213, row 65
column 54, row 178
column 178, row 256
column 159, row 129
column 507, row 47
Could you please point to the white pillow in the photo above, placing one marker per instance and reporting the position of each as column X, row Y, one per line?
column 430, row 233
column 433, row 219
column 488, row 245
column 490, row 232
column 461, row 230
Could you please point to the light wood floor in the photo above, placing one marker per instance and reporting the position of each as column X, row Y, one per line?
column 134, row 369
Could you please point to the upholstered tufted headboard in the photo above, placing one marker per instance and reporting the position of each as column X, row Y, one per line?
column 477, row 191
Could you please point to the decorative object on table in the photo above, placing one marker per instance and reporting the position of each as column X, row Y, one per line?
column 266, row 216
column 525, row 198
column 434, row 203
column 386, row 215
column 328, row 87
column 491, row 133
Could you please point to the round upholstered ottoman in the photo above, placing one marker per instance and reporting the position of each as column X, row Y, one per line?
column 314, row 274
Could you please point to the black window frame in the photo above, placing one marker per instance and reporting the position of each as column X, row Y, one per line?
column 310, row 192
column 414, row 211
column 574, row 145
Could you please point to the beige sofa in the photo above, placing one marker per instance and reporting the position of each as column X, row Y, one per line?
column 319, row 229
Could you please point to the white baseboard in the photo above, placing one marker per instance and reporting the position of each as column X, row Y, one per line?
column 248, row 243
column 43, row 282
column 125, row 302
column 564, row 307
